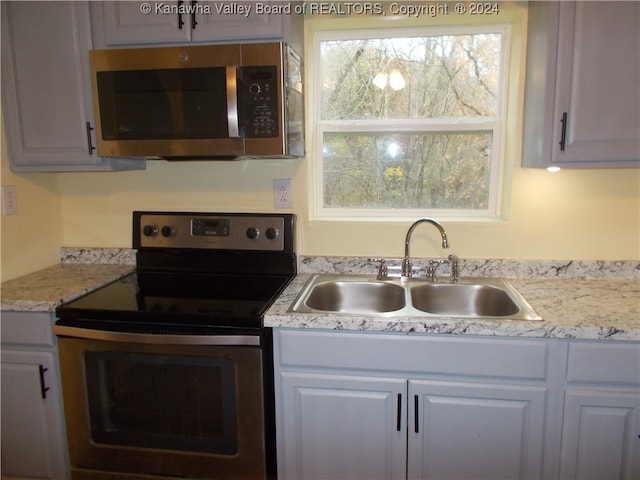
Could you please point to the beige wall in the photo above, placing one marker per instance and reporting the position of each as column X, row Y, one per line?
column 30, row 240
column 578, row 214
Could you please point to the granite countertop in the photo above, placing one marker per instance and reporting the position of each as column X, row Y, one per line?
column 570, row 308
column 587, row 300
column 44, row 290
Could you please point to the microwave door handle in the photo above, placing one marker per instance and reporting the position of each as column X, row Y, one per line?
column 232, row 102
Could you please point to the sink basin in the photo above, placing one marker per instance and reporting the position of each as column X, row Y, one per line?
column 414, row 298
column 356, row 297
column 463, row 300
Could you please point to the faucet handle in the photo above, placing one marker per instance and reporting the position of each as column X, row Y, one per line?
column 455, row 267
column 432, row 266
column 383, row 270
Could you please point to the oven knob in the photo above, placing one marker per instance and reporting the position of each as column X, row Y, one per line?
column 253, row 233
column 150, row 230
column 272, row 233
column 168, row 231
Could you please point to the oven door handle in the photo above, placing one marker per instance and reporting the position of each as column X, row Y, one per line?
column 151, row 338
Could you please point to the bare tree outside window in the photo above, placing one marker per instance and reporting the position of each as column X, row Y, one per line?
column 410, row 122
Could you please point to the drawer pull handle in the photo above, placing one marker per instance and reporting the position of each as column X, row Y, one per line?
column 43, row 386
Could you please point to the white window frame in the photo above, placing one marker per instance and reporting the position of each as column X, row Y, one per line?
column 494, row 210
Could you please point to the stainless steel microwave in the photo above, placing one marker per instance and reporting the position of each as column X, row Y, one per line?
column 199, row 102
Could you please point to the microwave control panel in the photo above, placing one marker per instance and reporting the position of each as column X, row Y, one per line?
column 258, row 101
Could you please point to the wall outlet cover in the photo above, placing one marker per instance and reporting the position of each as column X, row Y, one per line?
column 9, row 200
column 282, row 193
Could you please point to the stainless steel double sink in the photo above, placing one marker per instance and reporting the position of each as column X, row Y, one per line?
column 469, row 298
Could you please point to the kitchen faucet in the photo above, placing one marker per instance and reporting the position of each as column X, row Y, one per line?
column 406, row 269
column 406, row 262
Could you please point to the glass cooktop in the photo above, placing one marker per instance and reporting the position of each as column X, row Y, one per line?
column 163, row 299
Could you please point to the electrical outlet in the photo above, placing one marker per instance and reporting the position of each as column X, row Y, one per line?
column 9, row 200
column 282, row 193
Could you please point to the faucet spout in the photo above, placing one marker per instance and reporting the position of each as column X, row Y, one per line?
column 406, row 262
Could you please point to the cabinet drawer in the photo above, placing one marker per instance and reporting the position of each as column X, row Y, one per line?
column 437, row 354
column 615, row 362
column 26, row 328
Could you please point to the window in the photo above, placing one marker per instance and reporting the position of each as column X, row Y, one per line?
column 410, row 122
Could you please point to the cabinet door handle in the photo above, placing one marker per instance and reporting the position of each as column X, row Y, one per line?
column 91, row 148
column 416, row 421
column 563, row 134
column 194, row 22
column 180, row 21
column 399, row 414
column 43, row 387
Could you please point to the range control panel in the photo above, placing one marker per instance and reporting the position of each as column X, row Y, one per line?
column 224, row 231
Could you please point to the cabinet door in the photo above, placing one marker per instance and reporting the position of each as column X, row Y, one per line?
column 478, row 431
column 46, row 94
column 32, row 426
column 237, row 21
column 600, row 435
column 582, row 60
column 341, row 427
column 146, row 23
column 598, row 73
column 133, row 23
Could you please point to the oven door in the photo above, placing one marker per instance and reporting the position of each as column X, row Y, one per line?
column 168, row 408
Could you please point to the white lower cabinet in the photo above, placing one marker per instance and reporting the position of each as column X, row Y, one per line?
column 352, row 427
column 33, row 439
column 360, row 405
column 462, row 430
column 600, row 435
column 343, row 427
column 388, row 413
column 601, row 428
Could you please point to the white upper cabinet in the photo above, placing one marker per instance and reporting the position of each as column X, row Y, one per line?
column 582, row 105
column 46, row 94
column 120, row 24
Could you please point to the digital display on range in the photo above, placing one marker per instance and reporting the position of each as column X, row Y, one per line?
column 206, row 227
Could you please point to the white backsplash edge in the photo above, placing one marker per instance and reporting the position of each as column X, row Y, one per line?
column 569, row 269
column 99, row 256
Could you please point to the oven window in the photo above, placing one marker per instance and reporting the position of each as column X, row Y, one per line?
column 162, row 401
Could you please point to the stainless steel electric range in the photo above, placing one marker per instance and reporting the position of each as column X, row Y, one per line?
column 167, row 372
